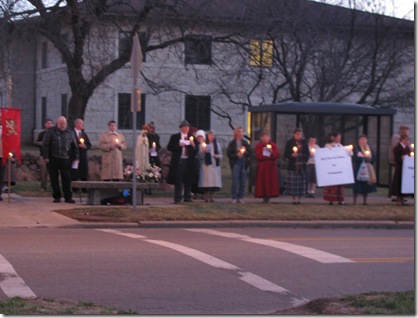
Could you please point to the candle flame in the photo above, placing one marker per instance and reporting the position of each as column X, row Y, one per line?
column 203, row 145
column 191, row 138
column 295, row 149
column 412, row 154
column 117, row 140
column 313, row 150
column 242, row 149
column 269, row 146
column 82, row 140
column 154, row 144
column 349, row 147
column 10, row 154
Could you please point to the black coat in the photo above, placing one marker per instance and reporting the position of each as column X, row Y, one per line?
column 303, row 154
column 59, row 144
column 175, row 149
column 231, row 153
column 398, row 152
column 82, row 172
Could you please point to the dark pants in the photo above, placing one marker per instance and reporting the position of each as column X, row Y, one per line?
column 183, row 177
column 60, row 167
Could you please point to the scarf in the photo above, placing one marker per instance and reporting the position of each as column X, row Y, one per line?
column 208, row 156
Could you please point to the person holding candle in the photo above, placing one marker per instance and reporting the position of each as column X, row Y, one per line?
column 267, row 176
column 199, row 140
column 60, row 151
column 399, row 153
column 82, row 171
column 297, row 154
column 112, row 143
column 182, row 162
column 394, row 141
column 363, row 153
column 335, row 193
column 239, row 154
column 154, row 145
column 210, row 155
column 43, row 168
column 310, row 168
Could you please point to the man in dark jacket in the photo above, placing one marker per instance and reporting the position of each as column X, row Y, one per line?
column 60, row 151
column 48, row 123
column 84, row 144
column 181, row 170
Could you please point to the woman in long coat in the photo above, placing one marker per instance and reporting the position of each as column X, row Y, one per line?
column 362, row 152
column 399, row 153
column 112, row 143
column 297, row 154
column 335, row 193
column 267, row 177
column 210, row 155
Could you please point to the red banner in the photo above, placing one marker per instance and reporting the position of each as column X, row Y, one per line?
column 10, row 121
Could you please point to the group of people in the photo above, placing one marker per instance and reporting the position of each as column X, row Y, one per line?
column 301, row 175
column 195, row 165
column 64, row 154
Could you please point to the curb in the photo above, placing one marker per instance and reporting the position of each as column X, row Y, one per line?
column 247, row 224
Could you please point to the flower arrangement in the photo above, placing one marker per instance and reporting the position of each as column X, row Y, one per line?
column 151, row 174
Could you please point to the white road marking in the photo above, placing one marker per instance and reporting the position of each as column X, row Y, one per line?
column 250, row 278
column 11, row 283
column 311, row 253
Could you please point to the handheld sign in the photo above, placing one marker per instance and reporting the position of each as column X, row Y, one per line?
column 408, row 167
column 333, row 166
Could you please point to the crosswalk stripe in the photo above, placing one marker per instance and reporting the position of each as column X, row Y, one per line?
column 311, row 253
column 11, row 283
column 250, row 278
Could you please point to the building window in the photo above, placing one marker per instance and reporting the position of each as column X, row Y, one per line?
column 64, row 105
column 261, row 53
column 124, row 42
column 43, row 111
column 198, row 49
column 44, row 58
column 125, row 114
column 198, row 111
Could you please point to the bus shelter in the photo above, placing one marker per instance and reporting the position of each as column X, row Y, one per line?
column 319, row 119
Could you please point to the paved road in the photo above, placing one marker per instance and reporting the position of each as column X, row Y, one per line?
column 203, row 271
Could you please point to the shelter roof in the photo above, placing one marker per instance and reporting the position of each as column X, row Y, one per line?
column 322, row 108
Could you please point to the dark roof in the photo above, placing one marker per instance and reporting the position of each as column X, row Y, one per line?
column 322, row 108
column 270, row 11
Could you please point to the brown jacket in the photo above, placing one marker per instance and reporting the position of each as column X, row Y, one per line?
column 112, row 159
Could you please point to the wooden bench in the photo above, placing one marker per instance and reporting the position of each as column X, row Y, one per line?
column 100, row 190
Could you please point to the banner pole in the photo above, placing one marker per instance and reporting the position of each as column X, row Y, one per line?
column 9, row 169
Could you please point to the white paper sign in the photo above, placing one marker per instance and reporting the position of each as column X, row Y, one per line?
column 266, row 152
column 408, row 167
column 74, row 165
column 333, row 166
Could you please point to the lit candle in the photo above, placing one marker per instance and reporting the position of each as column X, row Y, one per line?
column 312, row 150
column 242, row 150
column 412, row 146
column 411, row 153
column 349, row 147
column 203, row 145
column 10, row 155
column 269, row 146
column 117, row 140
column 367, row 153
column 81, row 141
column 154, row 145
column 191, row 138
column 295, row 149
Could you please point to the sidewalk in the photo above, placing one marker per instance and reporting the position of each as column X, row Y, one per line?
column 38, row 212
